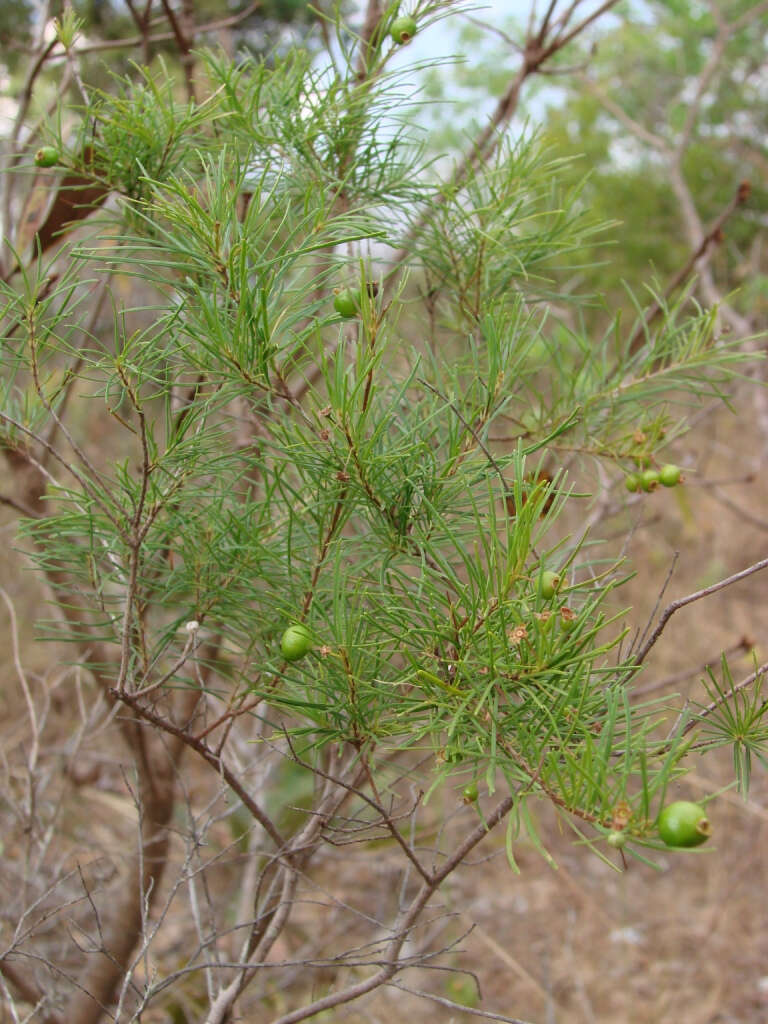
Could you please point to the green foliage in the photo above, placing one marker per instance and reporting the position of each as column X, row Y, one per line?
column 268, row 465
column 736, row 718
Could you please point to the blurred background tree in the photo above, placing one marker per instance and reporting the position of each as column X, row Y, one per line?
column 663, row 106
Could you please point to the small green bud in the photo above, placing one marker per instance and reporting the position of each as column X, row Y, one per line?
column 567, row 619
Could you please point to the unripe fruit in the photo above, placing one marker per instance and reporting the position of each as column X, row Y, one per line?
column 649, row 480
column 616, row 839
column 470, row 793
column 403, row 29
column 549, row 584
column 46, row 156
column 296, row 642
column 632, row 482
column 669, row 475
column 347, row 303
column 684, row 824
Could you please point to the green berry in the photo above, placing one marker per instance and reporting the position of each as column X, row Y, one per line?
column 617, row 839
column 347, row 303
column 403, row 29
column 470, row 793
column 296, row 642
column 549, row 584
column 47, row 156
column 669, row 475
column 683, row 824
column 649, row 480
column 633, row 482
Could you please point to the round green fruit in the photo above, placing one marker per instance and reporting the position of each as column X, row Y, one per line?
column 549, row 584
column 470, row 793
column 649, row 480
column 47, row 156
column 403, row 29
column 633, row 482
column 296, row 642
column 347, row 303
column 617, row 839
column 683, row 824
column 669, row 475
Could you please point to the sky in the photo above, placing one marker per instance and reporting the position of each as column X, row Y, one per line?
column 441, row 40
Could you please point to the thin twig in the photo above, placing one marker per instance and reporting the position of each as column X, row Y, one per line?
column 641, row 637
column 675, row 606
column 405, row 925
column 712, row 237
column 451, row 1005
column 215, row 760
column 744, row 644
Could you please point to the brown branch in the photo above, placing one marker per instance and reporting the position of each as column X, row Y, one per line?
column 460, row 1007
column 42, row 54
column 717, row 495
column 406, row 924
column 681, row 602
column 468, row 426
column 183, row 43
column 376, row 804
column 302, row 848
column 27, row 991
column 142, row 24
column 123, row 925
column 159, row 37
column 744, row 644
column 214, row 760
column 156, row 766
column 25, row 510
column 371, row 23
column 329, row 534
column 77, row 197
column 712, row 237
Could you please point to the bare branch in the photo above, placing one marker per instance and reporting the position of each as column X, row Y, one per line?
column 682, row 602
column 451, row 1005
column 216, row 761
column 405, row 925
column 713, row 236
